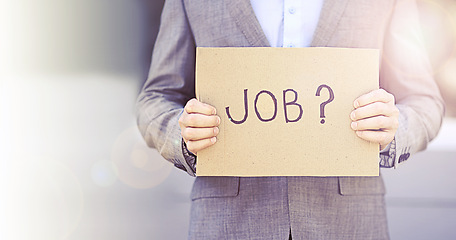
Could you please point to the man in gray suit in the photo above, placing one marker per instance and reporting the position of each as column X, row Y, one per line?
column 402, row 117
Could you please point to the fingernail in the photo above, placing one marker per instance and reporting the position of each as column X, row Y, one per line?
column 213, row 140
column 354, row 125
column 214, row 111
column 216, row 130
column 356, row 103
column 218, row 120
column 352, row 115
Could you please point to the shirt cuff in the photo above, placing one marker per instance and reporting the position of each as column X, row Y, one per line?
column 388, row 155
column 189, row 157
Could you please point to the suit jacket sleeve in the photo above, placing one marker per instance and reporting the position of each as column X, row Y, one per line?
column 406, row 73
column 169, row 86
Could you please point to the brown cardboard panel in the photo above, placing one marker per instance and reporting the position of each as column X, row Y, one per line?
column 283, row 89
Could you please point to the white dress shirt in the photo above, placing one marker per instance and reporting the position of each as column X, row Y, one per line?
column 288, row 23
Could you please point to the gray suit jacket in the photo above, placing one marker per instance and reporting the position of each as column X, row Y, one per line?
column 268, row 207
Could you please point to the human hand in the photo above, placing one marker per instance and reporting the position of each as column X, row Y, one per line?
column 376, row 117
column 199, row 125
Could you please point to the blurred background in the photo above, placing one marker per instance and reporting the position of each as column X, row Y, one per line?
column 73, row 165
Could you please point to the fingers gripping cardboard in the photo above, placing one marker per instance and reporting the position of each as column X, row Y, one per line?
column 285, row 111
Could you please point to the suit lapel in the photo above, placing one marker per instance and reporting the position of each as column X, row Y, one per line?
column 329, row 19
column 243, row 14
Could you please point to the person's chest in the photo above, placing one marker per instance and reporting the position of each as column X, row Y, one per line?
column 340, row 23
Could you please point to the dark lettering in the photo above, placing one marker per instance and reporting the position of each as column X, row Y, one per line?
column 285, row 104
column 246, row 109
column 275, row 106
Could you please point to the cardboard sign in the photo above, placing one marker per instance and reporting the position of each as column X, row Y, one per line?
column 286, row 111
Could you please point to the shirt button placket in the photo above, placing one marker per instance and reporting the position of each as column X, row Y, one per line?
column 290, row 12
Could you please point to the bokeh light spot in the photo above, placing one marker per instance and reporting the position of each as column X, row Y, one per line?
column 138, row 165
column 104, row 173
column 139, row 158
column 44, row 199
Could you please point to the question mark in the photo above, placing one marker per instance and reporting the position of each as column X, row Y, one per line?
column 323, row 104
